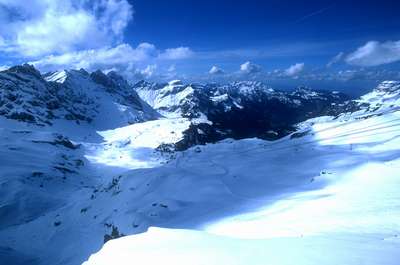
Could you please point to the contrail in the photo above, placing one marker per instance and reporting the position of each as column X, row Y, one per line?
column 314, row 13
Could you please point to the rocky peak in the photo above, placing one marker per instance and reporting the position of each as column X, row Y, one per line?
column 118, row 80
column 112, row 81
column 25, row 69
column 104, row 100
column 102, row 79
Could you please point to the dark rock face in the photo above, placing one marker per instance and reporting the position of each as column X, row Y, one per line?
column 198, row 134
column 24, row 95
column 113, row 235
column 116, row 84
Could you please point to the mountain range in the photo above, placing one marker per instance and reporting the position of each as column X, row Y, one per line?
column 89, row 158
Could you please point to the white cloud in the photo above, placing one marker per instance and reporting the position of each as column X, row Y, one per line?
column 149, row 70
column 250, row 68
column 103, row 58
column 375, row 53
column 366, row 74
column 115, row 15
column 176, row 53
column 295, row 69
column 54, row 27
column 335, row 59
column 216, row 71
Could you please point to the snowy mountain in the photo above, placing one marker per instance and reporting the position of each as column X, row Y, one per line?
column 106, row 101
column 84, row 161
column 240, row 109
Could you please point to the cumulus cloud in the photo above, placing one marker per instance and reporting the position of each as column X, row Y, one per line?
column 123, row 54
column 335, row 59
column 45, row 27
column 149, row 70
column 375, row 53
column 295, row 69
column 176, row 53
column 250, row 68
column 215, row 71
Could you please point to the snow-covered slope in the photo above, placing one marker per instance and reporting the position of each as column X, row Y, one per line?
column 48, row 130
column 141, row 145
column 66, row 188
column 324, row 195
column 168, row 99
column 386, row 95
column 50, row 182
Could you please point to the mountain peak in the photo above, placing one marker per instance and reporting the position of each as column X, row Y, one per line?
column 101, row 78
column 25, row 69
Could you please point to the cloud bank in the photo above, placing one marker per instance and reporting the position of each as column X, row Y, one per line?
column 122, row 54
column 54, row 35
column 375, row 53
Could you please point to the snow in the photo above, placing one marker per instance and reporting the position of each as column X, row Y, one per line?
column 163, row 246
column 59, row 77
column 329, row 197
column 172, row 100
column 175, row 82
column 220, row 98
column 133, row 146
column 112, row 110
column 355, row 204
column 386, row 94
column 168, row 99
column 237, row 105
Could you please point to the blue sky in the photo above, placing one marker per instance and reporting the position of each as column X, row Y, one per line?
column 329, row 43
column 222, row 24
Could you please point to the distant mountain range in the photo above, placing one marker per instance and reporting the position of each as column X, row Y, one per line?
column 236, row 110
column 240, row 109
